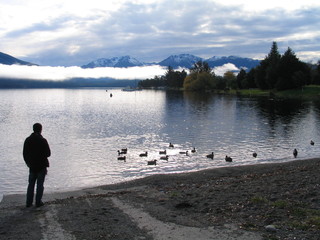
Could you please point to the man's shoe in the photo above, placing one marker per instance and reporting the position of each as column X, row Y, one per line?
column 39, row 204
column 29, row 205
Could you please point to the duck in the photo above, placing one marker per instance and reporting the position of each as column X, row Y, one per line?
column 193, row 150
column 171, row 145
column 144, row 154
column 312, row 142
column 121, row 152
column 122, row 158
column 153, row 162
column 295, row 152
column 163, row 152
column 228, row 159
column 124, row 150
column 184, row 152
column 164, row 157
column 211, row 155
column 254, row 154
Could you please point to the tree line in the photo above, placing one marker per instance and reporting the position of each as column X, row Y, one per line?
column 275, row 72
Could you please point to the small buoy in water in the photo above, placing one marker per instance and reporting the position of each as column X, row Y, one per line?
column 254, row 154
column 295, row 153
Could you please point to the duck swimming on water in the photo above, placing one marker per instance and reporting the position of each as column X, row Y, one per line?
column 163, row 152
column 164, row 157
column 144, row 154
column 228, row 159
column 153, row 162
column 122, row 158
column 184, row 152
column 211, row 155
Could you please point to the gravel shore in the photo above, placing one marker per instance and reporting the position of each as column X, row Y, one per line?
column 266, row 201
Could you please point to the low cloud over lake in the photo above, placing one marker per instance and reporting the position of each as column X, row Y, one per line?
column 66, row 73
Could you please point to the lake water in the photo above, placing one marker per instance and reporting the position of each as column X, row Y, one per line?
column 86, row 127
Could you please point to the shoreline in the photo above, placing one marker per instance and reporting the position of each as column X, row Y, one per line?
column 123, row 184
column 81, row 189
column 261, row 201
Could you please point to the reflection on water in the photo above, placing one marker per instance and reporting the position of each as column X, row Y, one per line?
column 86, row 127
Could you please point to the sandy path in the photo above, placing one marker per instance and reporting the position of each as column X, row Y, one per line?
column 163, row 231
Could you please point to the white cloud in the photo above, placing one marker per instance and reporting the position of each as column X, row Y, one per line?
column 65, row 73
column 225, row 68
column 254, row 5
column 76, row 32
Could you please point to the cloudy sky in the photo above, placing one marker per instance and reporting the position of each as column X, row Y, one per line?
column 75, row 32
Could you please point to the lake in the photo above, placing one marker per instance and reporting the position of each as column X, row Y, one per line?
column 86, row 127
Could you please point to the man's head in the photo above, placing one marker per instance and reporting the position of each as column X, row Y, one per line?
column 37, row 128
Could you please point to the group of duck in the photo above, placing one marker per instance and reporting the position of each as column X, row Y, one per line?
column 124, row 151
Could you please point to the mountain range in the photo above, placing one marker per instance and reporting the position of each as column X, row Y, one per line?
column 175, row 61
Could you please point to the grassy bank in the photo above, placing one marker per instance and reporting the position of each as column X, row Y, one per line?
column 308, row 92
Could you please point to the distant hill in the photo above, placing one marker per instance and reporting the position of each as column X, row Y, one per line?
column 9, row 60
column 175, row 61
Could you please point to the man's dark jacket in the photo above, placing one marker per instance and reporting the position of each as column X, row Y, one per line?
column 36, row 151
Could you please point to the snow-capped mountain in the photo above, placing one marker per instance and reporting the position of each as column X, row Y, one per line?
column 125, row 61
column 181, row 60
column 175, row 61
column 9, row 60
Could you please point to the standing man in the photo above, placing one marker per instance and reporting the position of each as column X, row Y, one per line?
column 36, row 151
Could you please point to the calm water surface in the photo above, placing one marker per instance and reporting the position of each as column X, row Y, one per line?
column 86, row 127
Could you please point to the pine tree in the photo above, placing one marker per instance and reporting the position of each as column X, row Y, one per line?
column 292, row 72
column 266, row 74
